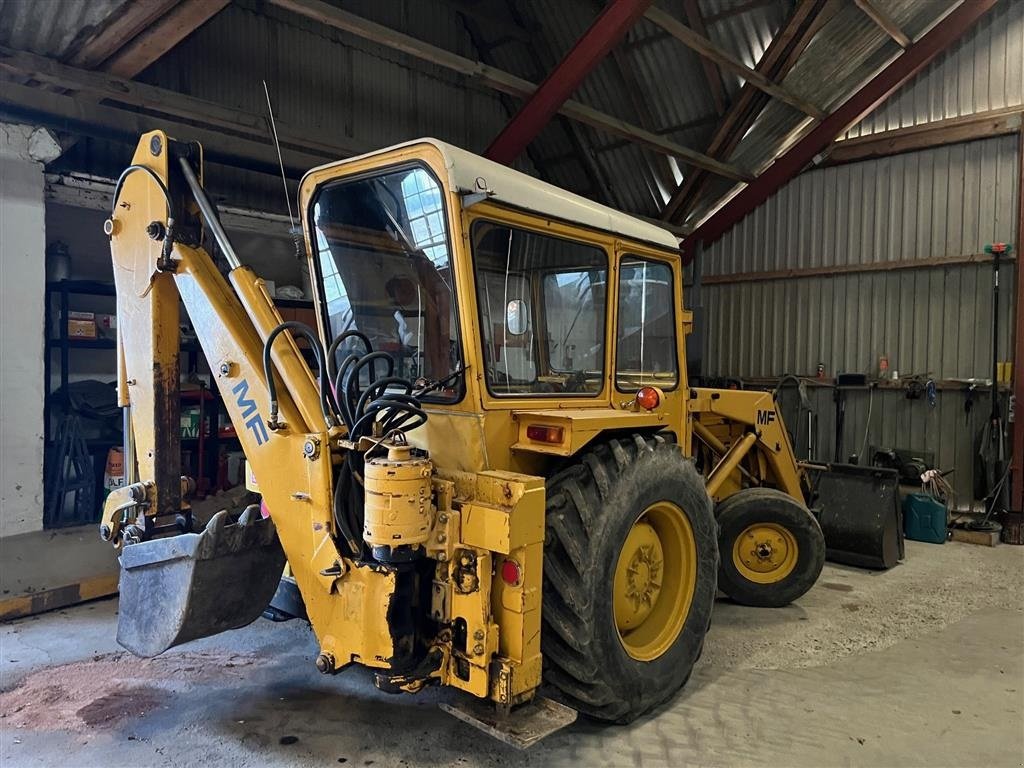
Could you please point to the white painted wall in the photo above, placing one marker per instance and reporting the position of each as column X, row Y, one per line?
column 23, row 150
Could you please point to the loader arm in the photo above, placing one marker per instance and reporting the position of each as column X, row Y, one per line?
column 735, row 422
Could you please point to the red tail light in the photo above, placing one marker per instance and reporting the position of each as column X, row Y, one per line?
column 511, row 573
column 648, row 398
column 544, row 434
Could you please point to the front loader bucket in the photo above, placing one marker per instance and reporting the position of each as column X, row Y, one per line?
column 860, row 515
column 194, row 585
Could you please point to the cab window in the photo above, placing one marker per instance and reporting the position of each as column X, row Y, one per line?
column 645, row 350
column 542, row 311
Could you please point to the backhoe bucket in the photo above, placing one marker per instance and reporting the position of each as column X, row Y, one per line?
column 859, row 512
column 194, row 585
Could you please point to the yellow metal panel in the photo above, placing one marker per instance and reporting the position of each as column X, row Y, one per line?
column 581, row 425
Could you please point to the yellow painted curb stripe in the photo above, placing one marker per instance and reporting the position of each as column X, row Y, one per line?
column 58, row 597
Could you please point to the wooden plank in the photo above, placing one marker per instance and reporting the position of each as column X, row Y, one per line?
column 846, row 269
column 163, row 101
column 582, row 146
column 967, row 536
column 96, row 193
column 983, row 125
column 712, row 18
column 711, row 71
column 158, row 38
column 709, row 50
column 125, row 24
column 798, row 30
column 500, row 80
column 737, row 10
column 65, row 113
column 884, row 22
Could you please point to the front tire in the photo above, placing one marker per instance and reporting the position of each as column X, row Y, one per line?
column 772, row 548
column 630, row 572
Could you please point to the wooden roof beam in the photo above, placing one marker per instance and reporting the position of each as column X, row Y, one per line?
column 501, row 81
column 159, row 37
column 124, row 25
column 861, row 103
column 783, row 51
column 711, row 71
column 884, row 22
column 709, row 50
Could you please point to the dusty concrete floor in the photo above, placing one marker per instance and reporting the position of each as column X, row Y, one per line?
column 920, row 665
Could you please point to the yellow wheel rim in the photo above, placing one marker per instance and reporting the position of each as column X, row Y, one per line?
column 765, row 553
column 655, row 578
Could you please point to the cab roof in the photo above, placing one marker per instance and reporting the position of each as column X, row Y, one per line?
column 522, row 191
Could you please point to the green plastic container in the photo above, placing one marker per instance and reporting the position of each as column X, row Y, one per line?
column 924, row 518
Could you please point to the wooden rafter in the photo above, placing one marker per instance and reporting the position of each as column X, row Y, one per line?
column 710, row 19
column 884, row 22
column 865, row 99
column 484, row 49
column 101, row 86
column 127, row 23
column 782, row 53
column 499, row 80
column 711, row 71
column 709, row 50
column 954, row 130
column 75, row 115
column 158, row 38
column 543, row 59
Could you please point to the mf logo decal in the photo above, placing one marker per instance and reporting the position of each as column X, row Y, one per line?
column 765, row 417
column 247, row 405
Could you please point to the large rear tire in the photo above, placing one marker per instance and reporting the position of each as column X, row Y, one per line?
column 630, row 571
column 772, row 548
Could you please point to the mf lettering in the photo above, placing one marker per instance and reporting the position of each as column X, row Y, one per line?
column 247, row 406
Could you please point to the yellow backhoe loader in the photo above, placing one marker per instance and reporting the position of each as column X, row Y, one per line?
column 484, row 477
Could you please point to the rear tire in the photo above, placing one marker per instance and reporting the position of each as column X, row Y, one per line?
column 612, row 490
column 772, row 549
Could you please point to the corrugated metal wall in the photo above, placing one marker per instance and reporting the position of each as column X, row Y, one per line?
column 984, row 70
column 932, row 321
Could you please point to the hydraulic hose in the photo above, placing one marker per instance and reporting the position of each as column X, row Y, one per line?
column 328, row 404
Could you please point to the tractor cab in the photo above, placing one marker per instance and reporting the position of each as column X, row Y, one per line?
column 498, row 295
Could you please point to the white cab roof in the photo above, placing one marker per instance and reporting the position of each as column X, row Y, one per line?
column 520, row 190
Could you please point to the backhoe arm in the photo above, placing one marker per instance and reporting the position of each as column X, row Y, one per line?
column 155, row 233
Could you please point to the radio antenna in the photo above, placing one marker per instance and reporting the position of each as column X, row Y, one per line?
column 284, row 179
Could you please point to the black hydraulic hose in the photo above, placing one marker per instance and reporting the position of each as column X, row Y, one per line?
column 327, row 401
column 379, row 388
column 340, row 339
column 168, row 242
column 344, row 406
column 349, row 378
column 402, row 408
column 345, row 526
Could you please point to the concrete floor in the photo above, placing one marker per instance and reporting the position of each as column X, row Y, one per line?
column 920, row 665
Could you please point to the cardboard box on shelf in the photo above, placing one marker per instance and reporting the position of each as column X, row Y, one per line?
column 81, row 325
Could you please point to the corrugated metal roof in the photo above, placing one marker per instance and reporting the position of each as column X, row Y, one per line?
column 52, row 27
column 844, row 54
column 331, row 81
